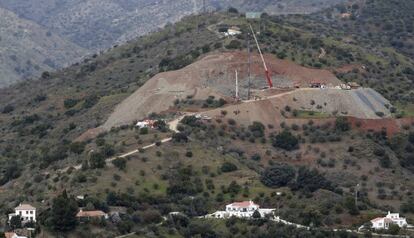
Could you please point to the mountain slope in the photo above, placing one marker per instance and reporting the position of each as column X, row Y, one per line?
column 27, row 49
column 224, row 160
column 99, row 24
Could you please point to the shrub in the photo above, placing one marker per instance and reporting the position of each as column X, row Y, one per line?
column 311, row 180
column 97, row 161
column 179, row 137
column 8, row 109
column 257, row 128
column 228, row 167
column 234, row 44
column 120, row 163
column 256, row 157
column 69, row 103
column 286, row 141
column 342, row 124
column 278, row 175
column 77, row 147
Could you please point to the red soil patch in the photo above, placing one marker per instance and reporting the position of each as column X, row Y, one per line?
column 390, row 125
column 300, row 76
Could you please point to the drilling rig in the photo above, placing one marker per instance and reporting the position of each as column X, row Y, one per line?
column 267, row 72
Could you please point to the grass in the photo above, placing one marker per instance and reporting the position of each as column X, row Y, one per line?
column 407, row 110
column 311, row 114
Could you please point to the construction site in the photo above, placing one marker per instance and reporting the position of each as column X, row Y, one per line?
column 254, row 87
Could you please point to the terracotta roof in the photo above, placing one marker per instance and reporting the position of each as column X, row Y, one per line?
column 377, row 219
column 243, row 204
column 25, row 207
column 90, row 214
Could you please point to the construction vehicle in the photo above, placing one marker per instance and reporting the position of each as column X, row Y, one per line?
column 267, row 72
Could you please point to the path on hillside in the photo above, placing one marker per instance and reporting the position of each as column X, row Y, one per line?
column 282, row 94
column 323, row 53
column 172, row 126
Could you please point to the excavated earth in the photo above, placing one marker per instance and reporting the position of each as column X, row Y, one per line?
column 214, row 75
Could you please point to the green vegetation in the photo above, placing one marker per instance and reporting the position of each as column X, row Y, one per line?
column 313, row 165
column 309, row 114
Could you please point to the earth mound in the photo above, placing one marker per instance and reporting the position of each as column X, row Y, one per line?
column 213, row 75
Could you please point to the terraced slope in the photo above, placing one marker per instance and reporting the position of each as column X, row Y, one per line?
column 213, row 75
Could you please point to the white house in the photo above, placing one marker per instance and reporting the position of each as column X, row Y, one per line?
column 26, row 212
column 145, row 124
column 244, row 209
column 391, row 218
column 13, row 235
column 233, row 31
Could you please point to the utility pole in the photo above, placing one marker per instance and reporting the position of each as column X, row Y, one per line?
column 249, row 68
column 237, row 86
column 204, row 6
column 356, row 195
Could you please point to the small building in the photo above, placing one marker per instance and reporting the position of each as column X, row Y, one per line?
column 253, row 15
column 26, row 212
column 145, row 124
column 354, row 85
column 391, row 218
column 233, row 31
column 244, row 209
column 90, row 215
column 317, row 84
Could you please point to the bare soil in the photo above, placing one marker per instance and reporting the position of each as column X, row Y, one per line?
column 213, row 75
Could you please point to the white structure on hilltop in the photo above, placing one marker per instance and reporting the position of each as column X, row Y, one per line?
column 391, row 218
column 244, row 209
column 26, row 212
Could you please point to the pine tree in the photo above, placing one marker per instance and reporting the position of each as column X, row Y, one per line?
column 64, row 210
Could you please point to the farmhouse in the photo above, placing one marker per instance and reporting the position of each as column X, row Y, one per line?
column 26, row 212
column 391, row 218
column 90, row 215
column 232, row 31
column 244, row 209
column 145, row 124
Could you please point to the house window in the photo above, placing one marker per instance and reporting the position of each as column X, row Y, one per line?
column 31, row 212
column 27, row 212
column 20, row 213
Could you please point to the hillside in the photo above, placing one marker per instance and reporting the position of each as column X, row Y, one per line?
column 75, row 28
column 211, row 162
column 28, row 49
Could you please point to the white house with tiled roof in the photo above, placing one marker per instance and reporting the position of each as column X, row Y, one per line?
column 244, row 209
column 26, row 212
column 391, row 218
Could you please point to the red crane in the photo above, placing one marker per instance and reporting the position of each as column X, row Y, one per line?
column 268, row 77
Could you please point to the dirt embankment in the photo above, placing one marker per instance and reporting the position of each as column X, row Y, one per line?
column 212, row 75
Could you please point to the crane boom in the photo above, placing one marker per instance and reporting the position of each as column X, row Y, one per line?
column 268, row 77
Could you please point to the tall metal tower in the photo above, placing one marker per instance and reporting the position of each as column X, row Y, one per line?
column 249, row 68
